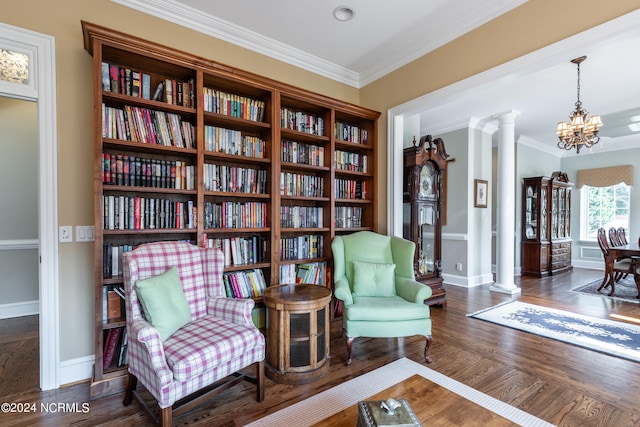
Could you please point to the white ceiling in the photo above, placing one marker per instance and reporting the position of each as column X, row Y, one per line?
column 384, row 36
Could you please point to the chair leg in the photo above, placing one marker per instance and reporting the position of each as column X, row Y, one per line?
column 131, row 386
column 349, row 342
column 260, row 381
column 166, row 417
column 427, row 357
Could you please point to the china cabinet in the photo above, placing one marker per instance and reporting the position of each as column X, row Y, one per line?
column 546, row 221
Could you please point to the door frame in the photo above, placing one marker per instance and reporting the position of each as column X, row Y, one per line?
column 41, row 88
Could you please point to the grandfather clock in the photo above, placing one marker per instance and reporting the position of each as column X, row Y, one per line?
column 424, row 166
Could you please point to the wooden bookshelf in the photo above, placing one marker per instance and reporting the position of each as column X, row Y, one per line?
column 270, row 152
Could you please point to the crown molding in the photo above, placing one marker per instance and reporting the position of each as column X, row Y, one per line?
column 186, row 16
column 443, row 32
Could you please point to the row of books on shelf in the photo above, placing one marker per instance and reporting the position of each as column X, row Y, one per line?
column 348, row 216
column 297, row 184
column 233, row 105
column 239, row 250
column 301, row 216
column 114, row 349
column 350, row 133
column 127, row 81
column 347, row 161
column 235, row 215
column 301, row 122
column 121, row 169
column 298, row 152
column 244, row 284
column 143, row 213
column 147, row 126
column 229, row 141
column 112, row 259
column 234, row 179
column 311, row 273
column 301, row 247
column 350, row 189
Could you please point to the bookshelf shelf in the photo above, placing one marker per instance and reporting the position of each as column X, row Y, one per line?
column 249, row 145
column 113, row 324
column 150, row 231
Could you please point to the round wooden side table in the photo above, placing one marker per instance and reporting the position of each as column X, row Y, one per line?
column 297, row 333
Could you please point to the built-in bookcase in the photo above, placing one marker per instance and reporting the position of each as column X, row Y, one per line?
column 190, row 149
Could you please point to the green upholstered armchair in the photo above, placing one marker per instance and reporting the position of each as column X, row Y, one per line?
column 374, row 279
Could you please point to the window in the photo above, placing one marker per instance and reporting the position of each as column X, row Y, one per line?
column 604, row 207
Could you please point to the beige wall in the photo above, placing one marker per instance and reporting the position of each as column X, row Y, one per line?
column 530, row 27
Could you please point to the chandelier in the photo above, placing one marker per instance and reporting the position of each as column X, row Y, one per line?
column 580, row 131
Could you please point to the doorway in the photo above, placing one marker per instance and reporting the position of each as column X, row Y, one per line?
column 19, row 266
column 36, row 84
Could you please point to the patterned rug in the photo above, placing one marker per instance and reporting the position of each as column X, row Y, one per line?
column 322, row 405
column 625, row 290
column 603, row 335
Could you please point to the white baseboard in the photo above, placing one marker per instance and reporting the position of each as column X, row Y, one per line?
column 75, row 370
column 19, row 309
column 467, row 282
column 593, row 265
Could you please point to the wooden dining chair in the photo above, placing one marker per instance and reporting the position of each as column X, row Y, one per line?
column 613, row 269
column 622, row 236
column 613, row 237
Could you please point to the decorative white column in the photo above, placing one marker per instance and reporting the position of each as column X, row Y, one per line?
column 505, row 248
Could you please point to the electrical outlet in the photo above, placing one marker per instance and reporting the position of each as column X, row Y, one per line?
column 458, row 266
column 85, row 233
column 65, row 234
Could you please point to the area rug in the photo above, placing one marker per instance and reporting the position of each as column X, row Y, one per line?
column 603, row 335
column 336, row 399
column 626, row 290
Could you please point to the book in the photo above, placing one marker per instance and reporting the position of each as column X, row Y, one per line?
column 110, row 347
column 146, row 86
column 122, row 357
column 135, row 83
column 114, row 76
column 157, row 95
column 113, row 305
column 106, row 78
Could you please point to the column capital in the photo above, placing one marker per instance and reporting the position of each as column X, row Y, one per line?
column 506, row 117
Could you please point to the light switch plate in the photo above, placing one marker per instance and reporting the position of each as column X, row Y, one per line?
column 85, row 233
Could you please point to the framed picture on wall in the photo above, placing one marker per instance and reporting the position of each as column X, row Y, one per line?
column 480, row 197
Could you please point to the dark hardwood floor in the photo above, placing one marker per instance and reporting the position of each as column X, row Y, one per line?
column 560, row 383
column 19, row 355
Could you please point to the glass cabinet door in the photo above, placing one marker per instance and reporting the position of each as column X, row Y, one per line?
column 530, row 222
column 426, row 244
column 543, row 214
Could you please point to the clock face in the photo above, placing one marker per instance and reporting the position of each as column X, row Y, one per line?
column 427, row 181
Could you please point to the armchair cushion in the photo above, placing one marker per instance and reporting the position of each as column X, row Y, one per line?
column 164, row 303
column 373, row 279
column 376, row 309
column 208, row 342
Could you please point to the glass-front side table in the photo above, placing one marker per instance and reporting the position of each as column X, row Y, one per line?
column 297, row 333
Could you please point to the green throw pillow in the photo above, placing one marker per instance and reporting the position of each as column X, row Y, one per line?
column 164, row 303
column 373, row 280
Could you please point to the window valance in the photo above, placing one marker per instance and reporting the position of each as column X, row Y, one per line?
column 605, row 177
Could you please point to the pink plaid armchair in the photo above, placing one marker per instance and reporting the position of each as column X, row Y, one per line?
column 207, row 352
